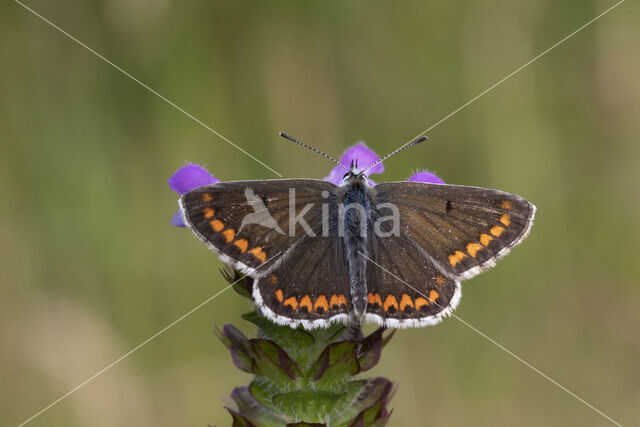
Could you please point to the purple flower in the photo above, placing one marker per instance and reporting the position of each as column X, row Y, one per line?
column 366, row 156
column 363, row 154
column 190, row 176
column 186, row 179
column 426, row 176
column 193, row 176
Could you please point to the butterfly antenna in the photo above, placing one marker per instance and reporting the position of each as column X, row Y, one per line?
column 290, row 138
column 393, row 153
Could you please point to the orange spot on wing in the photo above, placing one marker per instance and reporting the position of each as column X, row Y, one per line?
column 306, row 302
column 456, row 258
column 485, row 239
column 321, row 302
column 291, row 302
column 259, row 254
column 208, row 213
column 421, row 302
column 505, row 219
column 242, row 244
column 506, row 204
column 440, row 280
column 229, row 234
column 374, row 299
column 279, row 295
column 207, row 197
column 433, row 295
column 217, row 225
column 273, row 278
column 497, row 230
column 338, row 300
column 473, row 249
column 405, row 302
column 389, row 302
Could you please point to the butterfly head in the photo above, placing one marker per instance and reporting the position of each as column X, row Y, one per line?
column 355, row 176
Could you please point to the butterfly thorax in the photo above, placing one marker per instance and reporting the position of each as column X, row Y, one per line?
column 353, row 219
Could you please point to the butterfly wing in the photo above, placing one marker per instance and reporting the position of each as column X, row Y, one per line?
column 404, row 288
column 247, row 222
column 461, row 230
column 301, row 275
column 309, row 287
column 446, row 234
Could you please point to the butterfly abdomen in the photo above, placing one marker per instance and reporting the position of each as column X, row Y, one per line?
column 353, row 222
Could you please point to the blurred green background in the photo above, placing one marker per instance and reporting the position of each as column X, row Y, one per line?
column 90, row 266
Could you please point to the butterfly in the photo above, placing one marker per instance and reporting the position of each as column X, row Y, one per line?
column 394, row 253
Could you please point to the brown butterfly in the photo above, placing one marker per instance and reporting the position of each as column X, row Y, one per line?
column 394, row 253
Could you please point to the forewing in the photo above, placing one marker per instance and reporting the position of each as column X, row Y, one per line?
column 247, row 222
column 461, row 230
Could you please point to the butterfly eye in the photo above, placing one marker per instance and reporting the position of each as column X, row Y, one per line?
column 345, row 175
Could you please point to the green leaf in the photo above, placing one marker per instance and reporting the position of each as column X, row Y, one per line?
column 364, row 395
column 335, row 365
column 368, row 350
column 252, row 409
column 386, row 339
column 220, row 335
column 288, row 338
column 271, row 361
column 241, row 353
column 241, row 283
column 307, row 405
column 239, row 420
column 375, row 415
column 263, row 391
column 302, row 424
